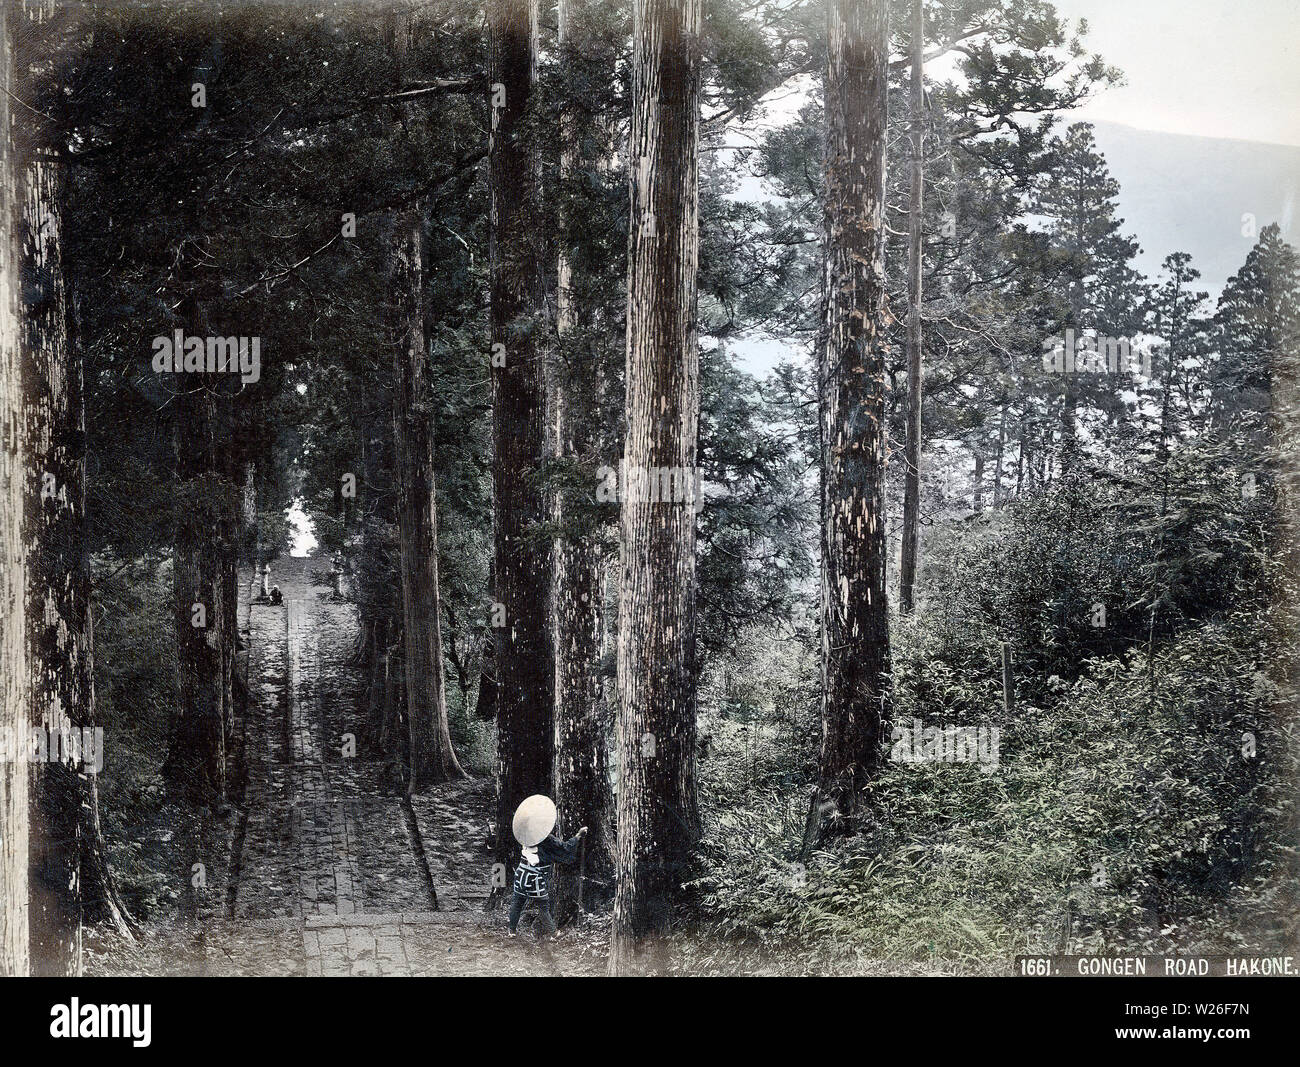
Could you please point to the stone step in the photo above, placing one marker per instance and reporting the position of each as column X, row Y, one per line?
column 392, row 918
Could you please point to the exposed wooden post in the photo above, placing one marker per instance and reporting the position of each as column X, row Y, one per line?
column 1008, row 680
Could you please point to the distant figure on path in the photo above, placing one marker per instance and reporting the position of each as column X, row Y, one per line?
column 532, row 825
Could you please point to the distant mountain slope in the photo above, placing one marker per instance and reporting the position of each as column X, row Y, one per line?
column 1188, row 194
column 1178, row 193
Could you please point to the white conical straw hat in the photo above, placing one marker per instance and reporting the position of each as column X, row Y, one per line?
column 534, row 819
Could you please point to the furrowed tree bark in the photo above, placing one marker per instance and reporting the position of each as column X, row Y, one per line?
column 14, row 939
column 204, row 549
column 658, row 817
column 855, row 619
column 196, row 750
column 912, row 450
column 582, row 789
column 57, row 589
column 376, row 603
column 431, row 756
column 523, row 651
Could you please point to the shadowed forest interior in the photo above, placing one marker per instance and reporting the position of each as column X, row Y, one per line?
column 394, row 432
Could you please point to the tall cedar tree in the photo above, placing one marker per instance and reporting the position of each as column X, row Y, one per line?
column 202, row 549
column 1080, row 197
column 915, row 220
column 582, row 788
column 658, row 816
column 523, row 653
column 69, row 873
column 431, row 756
column 58, row 650
column 13, row 655
column 855, row 620
column 1256, row 321
column 196, row 765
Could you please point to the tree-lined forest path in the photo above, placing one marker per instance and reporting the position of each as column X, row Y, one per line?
column 330, row 871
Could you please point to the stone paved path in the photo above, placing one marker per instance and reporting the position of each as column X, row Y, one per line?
column 331, row 873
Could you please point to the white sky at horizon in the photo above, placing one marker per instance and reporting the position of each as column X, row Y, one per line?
column 1213, row 68
column 1209, row 68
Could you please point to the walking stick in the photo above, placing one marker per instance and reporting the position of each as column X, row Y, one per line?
column 582, row 863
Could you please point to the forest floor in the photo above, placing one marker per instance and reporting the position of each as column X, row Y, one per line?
column 321, row 868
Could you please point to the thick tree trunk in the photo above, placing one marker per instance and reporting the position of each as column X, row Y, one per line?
column 375, row 597
column 14, row 941
column 855, row 619
column 658, row 818
column 522, row 564
column 70, row 880
column 912, row 450
column 196, row 751
column 485, row 705
column 57, row 586
column 582, row 787
column 431, row 756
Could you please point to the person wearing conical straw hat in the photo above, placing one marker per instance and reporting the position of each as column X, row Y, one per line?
column 533, row 822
